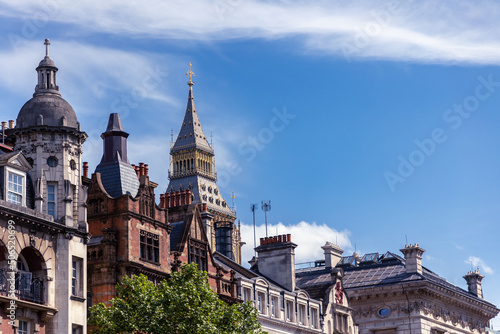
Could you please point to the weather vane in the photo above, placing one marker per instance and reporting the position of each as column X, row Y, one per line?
column 190, row 73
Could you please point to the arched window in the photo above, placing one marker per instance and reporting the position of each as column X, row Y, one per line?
column 29, row 276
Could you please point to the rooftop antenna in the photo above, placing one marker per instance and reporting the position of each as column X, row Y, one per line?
column 406, row 237
column 234, row 206
column 266, row 206
column 4, row 125
column 171, row 138
column 253, row 207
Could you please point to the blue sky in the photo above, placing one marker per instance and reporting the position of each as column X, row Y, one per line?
column 364, row 123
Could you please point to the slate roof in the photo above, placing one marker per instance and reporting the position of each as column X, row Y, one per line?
column 118, row 178
column 314, row 280
column 242, row 272
column 95, row 240
column 191, row 134
column 175, row 234
column 117, row 174
column 202, row 190
column 378, row 273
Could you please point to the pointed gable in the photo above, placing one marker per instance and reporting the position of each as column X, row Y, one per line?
column 15, row 160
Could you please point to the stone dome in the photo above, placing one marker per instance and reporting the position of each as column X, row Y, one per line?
column 46, row 61
column 54, row 111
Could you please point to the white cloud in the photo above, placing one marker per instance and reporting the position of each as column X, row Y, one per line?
column 309, row 238
column 479, row 263
column 420, row 31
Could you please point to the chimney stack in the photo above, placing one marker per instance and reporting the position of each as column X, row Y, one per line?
column 141, row 168
column 276, row 260
column 413, row 257
column 333, row 254
column 474, row 279
column 86, row 169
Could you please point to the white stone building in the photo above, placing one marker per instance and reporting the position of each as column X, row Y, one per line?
column 282, row 306
column 390, row 294
column 43, row 198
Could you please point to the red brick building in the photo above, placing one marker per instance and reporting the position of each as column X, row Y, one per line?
column 132, row 234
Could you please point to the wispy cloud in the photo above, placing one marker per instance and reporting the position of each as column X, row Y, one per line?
column 309, row 238
column 479, row 263
column 419, row 31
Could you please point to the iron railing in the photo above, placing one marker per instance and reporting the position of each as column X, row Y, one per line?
column 26, row 288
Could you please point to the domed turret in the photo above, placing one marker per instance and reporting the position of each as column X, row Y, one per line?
column 47, row 107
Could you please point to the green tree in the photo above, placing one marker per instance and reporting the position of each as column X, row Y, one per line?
column 185, row 304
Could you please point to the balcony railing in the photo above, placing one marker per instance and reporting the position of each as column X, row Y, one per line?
column 26, row 288
column 193, row 171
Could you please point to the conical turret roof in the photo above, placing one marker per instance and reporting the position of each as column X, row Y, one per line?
column 191, row 134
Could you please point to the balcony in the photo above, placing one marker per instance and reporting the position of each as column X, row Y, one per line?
column 26, row 288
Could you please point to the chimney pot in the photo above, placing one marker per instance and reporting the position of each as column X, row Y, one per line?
column 11, row 124
column 146, row 169
column 188, row 196
column 86, row 169
column 141, row 168
column 177, row 198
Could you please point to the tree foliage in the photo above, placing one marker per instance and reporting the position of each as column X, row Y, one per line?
column 185, row 304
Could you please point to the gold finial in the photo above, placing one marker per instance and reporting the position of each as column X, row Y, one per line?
column 190, row 73
column 47, row 43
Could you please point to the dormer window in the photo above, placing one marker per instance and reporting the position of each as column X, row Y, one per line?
column 15, row 191
column 14, row 167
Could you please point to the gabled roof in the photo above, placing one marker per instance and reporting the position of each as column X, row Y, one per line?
column 182, row 230
column 15, row 160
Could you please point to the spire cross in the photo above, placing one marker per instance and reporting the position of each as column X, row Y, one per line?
column 190, row 73
column 47, row 43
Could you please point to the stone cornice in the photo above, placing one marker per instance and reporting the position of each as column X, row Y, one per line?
column 36, row 220
column 427, row 289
